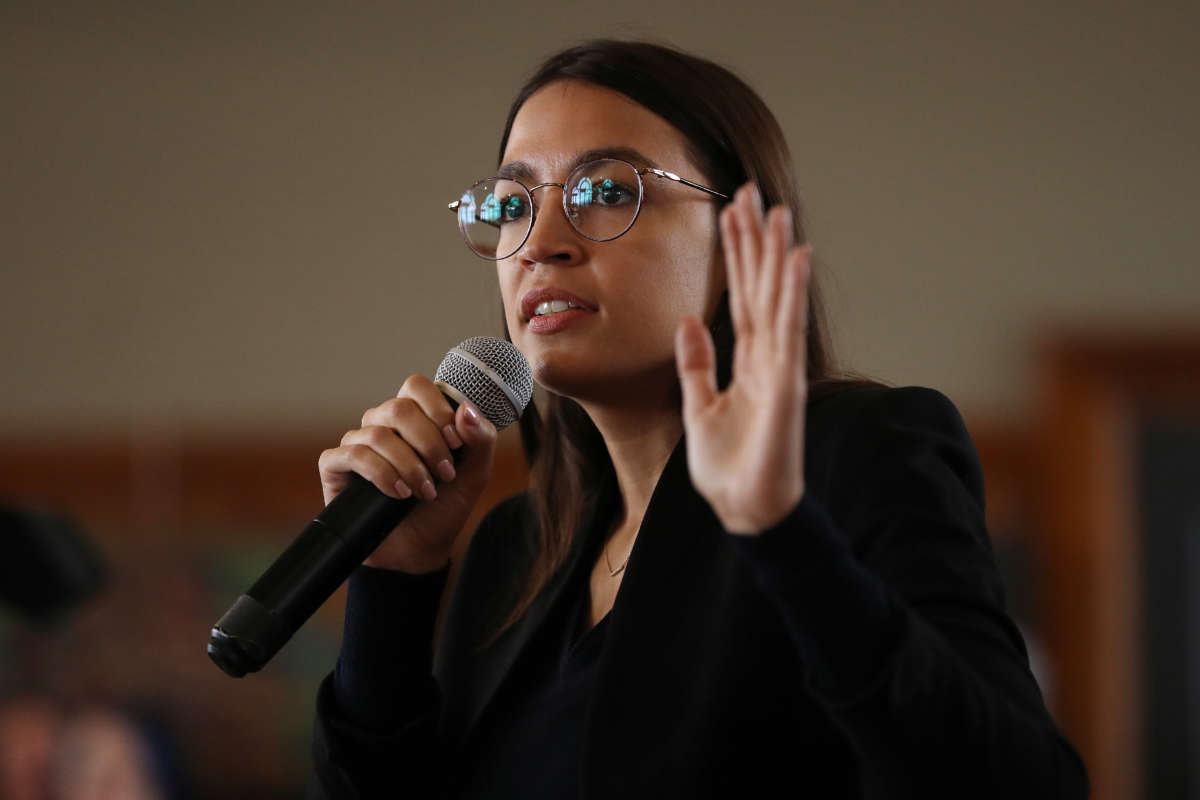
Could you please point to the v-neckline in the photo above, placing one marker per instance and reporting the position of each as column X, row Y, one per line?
column 580, row 627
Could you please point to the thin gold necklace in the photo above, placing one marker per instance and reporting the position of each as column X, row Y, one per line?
column 612, row 573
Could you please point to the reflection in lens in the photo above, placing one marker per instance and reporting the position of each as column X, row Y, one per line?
column 466, row 208
column 490, row 212
column 581, row 195
column 493, row 216
column 602, row 198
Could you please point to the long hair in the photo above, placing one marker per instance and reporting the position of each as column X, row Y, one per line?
column 733, row 138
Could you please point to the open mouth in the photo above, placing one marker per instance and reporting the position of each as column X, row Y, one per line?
column 547, row 307
column 555, row 320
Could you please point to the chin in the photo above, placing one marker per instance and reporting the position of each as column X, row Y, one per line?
column 560, row 376
column 601, row 380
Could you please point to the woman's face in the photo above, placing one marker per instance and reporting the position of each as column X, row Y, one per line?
column 635, row 288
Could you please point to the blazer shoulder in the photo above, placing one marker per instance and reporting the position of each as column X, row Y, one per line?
column 873, row 414
column 843, row 403
column 910, row 439
column 916, row 418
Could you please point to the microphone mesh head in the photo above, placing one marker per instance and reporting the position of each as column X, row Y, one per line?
column 492, row 374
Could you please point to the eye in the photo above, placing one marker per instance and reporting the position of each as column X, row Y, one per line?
column 512, row 208
column 612, row 193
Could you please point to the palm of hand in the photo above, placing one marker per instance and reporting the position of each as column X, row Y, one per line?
column 745, row 445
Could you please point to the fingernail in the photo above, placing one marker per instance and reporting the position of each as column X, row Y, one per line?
column 473, row 416
column 445, row 470
column 427, row 491
column 452, row 437
column 403, row 490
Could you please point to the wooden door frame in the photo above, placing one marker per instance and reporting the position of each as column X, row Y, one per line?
column 1093, row 390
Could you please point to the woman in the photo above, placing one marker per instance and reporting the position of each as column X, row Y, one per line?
column 735, row 573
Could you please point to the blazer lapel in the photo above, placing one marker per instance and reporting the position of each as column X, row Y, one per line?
column 675, row 572
column 503, row 655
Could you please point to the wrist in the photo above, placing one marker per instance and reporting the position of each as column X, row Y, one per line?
column 760, row 516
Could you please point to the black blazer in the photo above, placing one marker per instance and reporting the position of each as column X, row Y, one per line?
column 734, row 666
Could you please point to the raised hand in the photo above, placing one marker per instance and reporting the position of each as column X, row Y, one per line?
column 745, row 445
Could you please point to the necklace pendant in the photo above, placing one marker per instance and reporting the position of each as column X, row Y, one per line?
column 612, row 573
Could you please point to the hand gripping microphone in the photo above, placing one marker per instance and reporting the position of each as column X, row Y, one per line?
column 496, row 378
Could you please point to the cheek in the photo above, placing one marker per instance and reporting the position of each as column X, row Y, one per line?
column 660, row 279
column 691, row 270
column 508, row 294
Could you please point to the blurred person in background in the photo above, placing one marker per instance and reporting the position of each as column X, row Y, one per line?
column 737, row 570
column 51, row 748
column 103, row 754
column 29, row 725
column 95, row 753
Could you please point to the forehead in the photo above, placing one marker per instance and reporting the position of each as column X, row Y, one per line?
column 565, row 119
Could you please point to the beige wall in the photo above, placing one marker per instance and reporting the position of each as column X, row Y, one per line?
column 218, row 216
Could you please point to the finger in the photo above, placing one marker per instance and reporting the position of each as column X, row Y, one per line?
column 408, row 420
column 336, row 464
column 479, row 439
column 474, row 428
column 735, row 275
column 792, row 319
column 749, row 238
column 776, row 240
column 435, row 405
column 405, row 460
column 695, row 358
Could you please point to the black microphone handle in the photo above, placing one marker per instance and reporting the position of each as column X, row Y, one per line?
column 312, row 568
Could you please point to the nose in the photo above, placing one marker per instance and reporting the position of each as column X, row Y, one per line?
column 552, row 240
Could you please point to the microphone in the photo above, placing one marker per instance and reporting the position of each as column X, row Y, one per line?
column 496, row 378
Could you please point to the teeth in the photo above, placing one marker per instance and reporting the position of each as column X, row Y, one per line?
column 552, row 307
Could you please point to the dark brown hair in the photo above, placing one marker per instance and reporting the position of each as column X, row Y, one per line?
column 733, row 138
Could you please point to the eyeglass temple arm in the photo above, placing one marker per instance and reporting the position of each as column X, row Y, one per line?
column 662, row 173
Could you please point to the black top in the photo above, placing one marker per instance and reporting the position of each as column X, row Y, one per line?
column 528, row 743
column 860, row 648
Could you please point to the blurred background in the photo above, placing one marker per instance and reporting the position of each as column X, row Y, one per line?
column 223, row 236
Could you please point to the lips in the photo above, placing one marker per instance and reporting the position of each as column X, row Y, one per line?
column 530, row 301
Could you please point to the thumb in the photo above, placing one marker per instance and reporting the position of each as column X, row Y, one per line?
column 696, row 360
column 477, row 433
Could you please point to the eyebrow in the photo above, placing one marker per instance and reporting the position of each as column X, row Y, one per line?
column 521, row 171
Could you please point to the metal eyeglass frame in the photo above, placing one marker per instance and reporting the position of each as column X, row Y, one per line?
column 639, row 171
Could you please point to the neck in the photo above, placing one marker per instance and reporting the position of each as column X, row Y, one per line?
column 640, row 438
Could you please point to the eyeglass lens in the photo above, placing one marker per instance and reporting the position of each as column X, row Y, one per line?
column 601, row 200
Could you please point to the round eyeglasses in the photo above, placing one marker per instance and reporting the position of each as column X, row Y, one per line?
column 601, row 199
